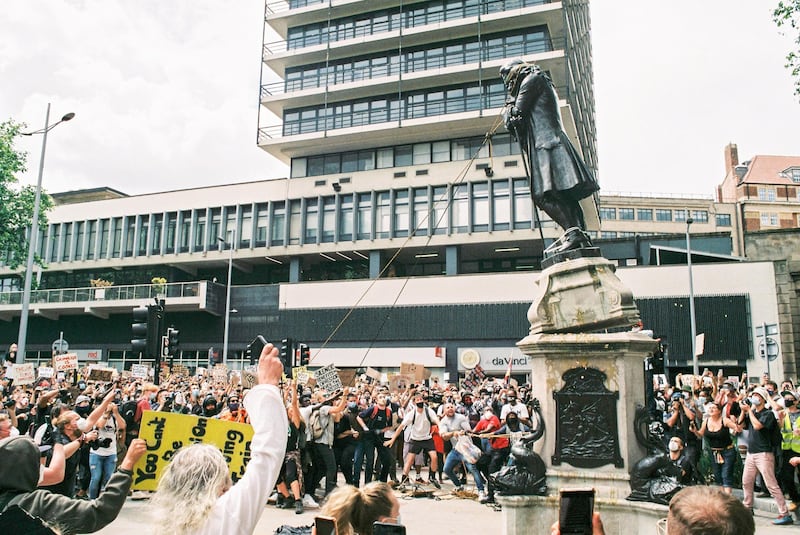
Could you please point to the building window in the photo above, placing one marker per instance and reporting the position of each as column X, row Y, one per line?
column 723, row 220
column 625, row 234
column 141, row 248
column 795, row 175
column 607, row 235
column 440, row 211
column 383, row 215
column 663, row 215
column 420, row 212
column 766, row 193
column 172, row 221
column 278, row 225
column 158, row 233
column 328, row 219
column 311, row 221
column 364, row 216
column 608, row 214
column 644, row 214
column 346, row 218
column 501, row 207
column 400, row 214
column 460, row 211
column 480, row 207
column 92, row 240
column 769, row 220
column 626, row 214
column 523, row 206
column 680, row 215
column 295, row 222
column 700, row 216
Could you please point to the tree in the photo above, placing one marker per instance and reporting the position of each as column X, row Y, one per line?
column 16, row 203
column 788, row 14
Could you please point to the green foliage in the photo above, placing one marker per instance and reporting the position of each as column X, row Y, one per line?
column 787, row 14
column 16, row 203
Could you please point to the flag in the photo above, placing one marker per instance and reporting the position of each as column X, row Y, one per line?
column 508, row 370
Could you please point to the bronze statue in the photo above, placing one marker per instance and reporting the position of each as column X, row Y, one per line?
column 559, row 178
column 526, row 473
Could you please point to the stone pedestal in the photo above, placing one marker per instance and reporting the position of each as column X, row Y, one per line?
column 580, row 295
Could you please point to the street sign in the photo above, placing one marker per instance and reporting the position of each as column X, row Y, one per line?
column 60, row 346
column 772, row 328
column 768, row 347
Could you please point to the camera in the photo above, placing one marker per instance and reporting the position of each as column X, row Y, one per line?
column 677, row 397
column 100, row 443
column 8, row 404
column 747, row 402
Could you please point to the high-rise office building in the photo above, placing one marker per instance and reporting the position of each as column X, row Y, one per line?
column 399, row 102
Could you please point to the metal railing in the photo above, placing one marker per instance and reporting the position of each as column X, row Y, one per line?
column 653, row 195
column 107, row 293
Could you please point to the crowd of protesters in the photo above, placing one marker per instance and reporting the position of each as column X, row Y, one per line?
column 734, row 434
column 718, row 432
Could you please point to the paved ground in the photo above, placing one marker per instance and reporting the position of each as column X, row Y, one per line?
column 421, row 516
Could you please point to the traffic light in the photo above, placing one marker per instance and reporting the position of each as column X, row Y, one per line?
column 287, row 350
column 173, row 341
column 164, row 346
column 305, row 354
column 144, row 331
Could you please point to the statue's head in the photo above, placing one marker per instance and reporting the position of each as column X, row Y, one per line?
column 510, row 69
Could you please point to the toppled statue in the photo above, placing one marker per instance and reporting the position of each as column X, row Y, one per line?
column 657, row 477
column 559, row 178
column 526, row 474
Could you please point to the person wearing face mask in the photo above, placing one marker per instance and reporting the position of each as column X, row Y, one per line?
column 234, row 412
column 346, row 434
column 513, row 405
column 419, row 421
column 514, row 429
column 496, row 449
column 789, row 421
column 681, row 467
column 373, row 421
column 452, row 426
column 760, row 458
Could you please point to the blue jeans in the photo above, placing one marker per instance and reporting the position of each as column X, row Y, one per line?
column 453, row 458
column 723, row 473
column 101, row 467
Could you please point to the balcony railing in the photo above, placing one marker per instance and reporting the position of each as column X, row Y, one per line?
column 105, row 294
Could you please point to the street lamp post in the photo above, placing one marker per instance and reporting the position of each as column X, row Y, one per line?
column 228, row 296
column 695, row 365
column 26, row 293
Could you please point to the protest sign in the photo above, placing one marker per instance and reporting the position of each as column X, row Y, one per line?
column 68, row 361
column 46, row 372
column 140, row 371
column 180, row 369
column 417, row 371
column 328, row 379
column 166, row 432
column 101, row 374
column 24, row 374
column 301, row 374
column 375, row 374
column 220, row 373
column 348, row 377
column 249, row 379
column 399, row 382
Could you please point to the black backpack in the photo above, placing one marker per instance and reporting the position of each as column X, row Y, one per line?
column 128, row 413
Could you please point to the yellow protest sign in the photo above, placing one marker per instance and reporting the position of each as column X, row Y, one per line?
column 165, row 433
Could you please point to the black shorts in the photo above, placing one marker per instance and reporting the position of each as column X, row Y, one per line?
column 417, row 446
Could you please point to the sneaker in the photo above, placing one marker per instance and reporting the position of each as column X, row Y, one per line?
column 458, row 489
column 280, row 501
column 298, row 507
column 784, row 520
column 309, row 502
column 482, row 497
column 420, row 480
column 436, row 483
column 404, row 481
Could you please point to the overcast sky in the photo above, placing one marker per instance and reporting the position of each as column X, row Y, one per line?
column 166, row 93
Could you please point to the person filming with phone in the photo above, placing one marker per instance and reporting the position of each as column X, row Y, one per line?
column 370, row 510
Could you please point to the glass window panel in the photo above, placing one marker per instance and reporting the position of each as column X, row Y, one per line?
column 480, row 206
column 523, row 205
column 346, row 218
column 421, row 211
column 403, row 156
column 382, row 215
column 460, row 208
column 295, row 222
column 312, row 221
column 172, row 221
column 626, row 214
column 364, row 216
column 401, row 218
column 278, row 225
column 644, row 214
column 441, row 151
column 422, row 153
column 385, row 158
column 501, row 205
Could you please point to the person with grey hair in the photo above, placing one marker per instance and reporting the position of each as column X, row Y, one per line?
column 195, row 494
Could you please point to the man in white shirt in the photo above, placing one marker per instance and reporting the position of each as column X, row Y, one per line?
column 419, row 421
column 452, row 426
column 513, row 405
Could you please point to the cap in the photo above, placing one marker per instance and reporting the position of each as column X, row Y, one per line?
column 791, row 393
column 686, row 388
column 728, row 386
column 82, row 399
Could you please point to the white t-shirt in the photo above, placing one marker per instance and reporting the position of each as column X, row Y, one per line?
column 519, row 408
column 420, row 426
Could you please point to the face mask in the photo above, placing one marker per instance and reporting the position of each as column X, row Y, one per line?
column 420, row 404
column 788, row 402
column 83, row 411
column 702, row 400
column 771, row 392
column 352, row 405
column 487, row 415
column 755, row 400
column 513, row 401
column 673, row 446
column 686, row 396
column 152, row 398
column 233, row 407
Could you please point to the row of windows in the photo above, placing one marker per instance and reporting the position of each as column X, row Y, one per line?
column 432, row 12
column 415, row 60
column 427, row 210
column 386, row 108
column 404, row 155
column 769, row 193
column 661, row 214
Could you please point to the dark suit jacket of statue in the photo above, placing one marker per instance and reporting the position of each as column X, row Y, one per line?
column 553, row 162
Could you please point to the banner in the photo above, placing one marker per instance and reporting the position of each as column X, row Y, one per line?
column 24, row 374
column 46, row 372
column 68, row 361
column 165, row 433
column 328, row 379
column 140, row 371
column 104, row 375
